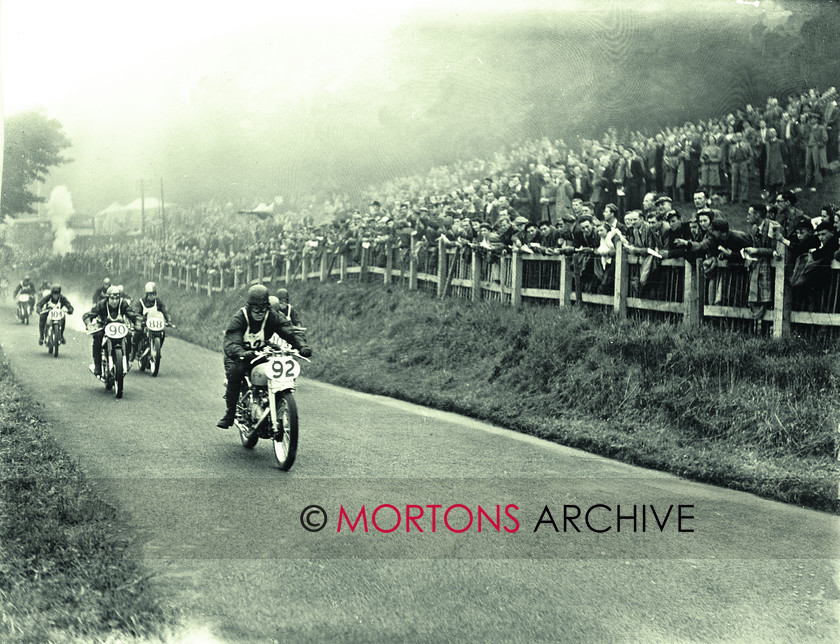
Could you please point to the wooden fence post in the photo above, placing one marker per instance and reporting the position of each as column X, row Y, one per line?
column 363, row 269
column 324, row 275
column 565, row 282
column 305, row 261
column 622, row 275
column 476, row 276
column 692, row 297
column 516, row 278
column 441, row 269
column 781, row 296
column 389, row 263
column 288, row 270
column 342, row 266
column 412, row 263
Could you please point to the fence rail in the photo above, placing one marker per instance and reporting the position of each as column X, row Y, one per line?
column 682, row 291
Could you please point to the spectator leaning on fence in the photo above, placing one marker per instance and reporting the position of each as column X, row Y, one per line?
column 765, row 235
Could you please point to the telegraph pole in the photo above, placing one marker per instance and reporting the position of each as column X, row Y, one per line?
column 162, row 213
column 142, row 209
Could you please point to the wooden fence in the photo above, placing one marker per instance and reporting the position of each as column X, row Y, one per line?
column 682, row 291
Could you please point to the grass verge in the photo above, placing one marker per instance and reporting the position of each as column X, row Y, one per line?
column 66, row 574
column 748, row 413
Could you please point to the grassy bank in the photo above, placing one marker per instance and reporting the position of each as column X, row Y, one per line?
column 747, row 413
column 66, row 573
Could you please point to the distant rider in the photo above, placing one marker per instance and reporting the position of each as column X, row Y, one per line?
column 26, row 287
column 55, row 300
column 112, row 309
column 149, row 303
column 285, row 308
column 248, row 330
column 102, row 292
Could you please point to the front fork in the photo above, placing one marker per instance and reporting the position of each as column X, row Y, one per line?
column 276, row 425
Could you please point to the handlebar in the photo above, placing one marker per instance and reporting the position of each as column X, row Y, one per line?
column 274, row 350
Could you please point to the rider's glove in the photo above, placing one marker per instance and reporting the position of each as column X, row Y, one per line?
column 306, row 352
column 249, row 356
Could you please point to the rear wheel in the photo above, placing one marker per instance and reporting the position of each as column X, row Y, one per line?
column 285, row 449
column 154, row 356
column 119, row 372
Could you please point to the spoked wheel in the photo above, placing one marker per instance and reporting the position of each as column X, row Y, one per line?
column 49, row 341
column 119, row 372
column 247, row 435
column 55, row 342
column 285, row 449
column 154, row 356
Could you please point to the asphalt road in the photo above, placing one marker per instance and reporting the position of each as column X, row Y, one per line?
column 222, row 527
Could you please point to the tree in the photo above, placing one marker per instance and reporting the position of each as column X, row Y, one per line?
column 33, row 144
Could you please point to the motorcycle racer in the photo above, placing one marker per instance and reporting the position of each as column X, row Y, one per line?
column 102, row 292
column 150, row 302
column 55, row 300
column 26, row 287
column 111, row 309
column 249, row 329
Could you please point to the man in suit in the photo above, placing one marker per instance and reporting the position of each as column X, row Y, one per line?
column 581, row 183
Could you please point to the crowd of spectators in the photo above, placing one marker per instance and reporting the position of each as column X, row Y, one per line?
column 657, row 194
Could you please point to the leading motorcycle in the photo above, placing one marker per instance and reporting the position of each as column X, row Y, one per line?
column 114, row 354
column 267, row 407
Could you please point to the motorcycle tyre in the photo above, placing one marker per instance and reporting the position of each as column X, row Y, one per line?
column 119, row 374
column 154, row 356
column 285, row 450
column 56, row 342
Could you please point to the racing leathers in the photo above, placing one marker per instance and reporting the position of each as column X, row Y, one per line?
column 245, row 335
column 43, row 307
column 103, row 313
column 142, row 308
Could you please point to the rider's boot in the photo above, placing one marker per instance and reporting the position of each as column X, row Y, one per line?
column 41, row 339
column 231, row 398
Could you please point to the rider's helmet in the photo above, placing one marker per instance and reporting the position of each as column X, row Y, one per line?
column 274, row 303
column 56, row 289
column 283, row 295
column 258, row 299
column 26, row 279
column 113, row 294
column 151, row 288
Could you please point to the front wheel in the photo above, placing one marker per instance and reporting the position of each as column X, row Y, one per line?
column 154, row 351
column 119, row 372
column 286, row 440
column 56, row 341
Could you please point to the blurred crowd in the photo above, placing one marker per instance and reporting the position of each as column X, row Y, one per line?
column 659, row 195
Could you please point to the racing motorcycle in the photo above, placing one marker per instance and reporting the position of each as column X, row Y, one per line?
column 23, row 307
column 150, row 341
column 114, row 354
column 52, row 334
column 267, row 407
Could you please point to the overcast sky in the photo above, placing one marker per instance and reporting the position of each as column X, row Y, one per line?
column 180, row 89
column 50, row 47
